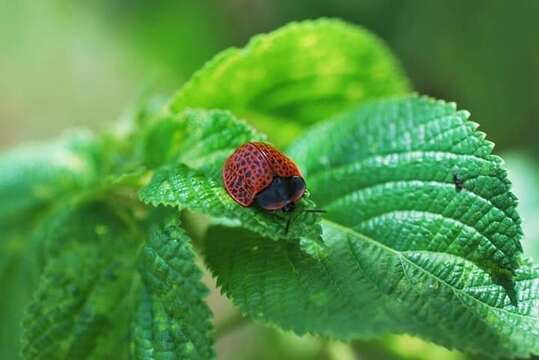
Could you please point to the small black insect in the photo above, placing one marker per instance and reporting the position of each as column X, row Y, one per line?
column 459, row 183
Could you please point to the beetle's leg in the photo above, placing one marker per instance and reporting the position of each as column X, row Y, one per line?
column 288, row 224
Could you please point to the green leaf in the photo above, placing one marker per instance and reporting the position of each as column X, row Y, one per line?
column 20, row 263
column 89, row 252
column 396, row 164
column 362, row 289
column 199, row 138
column 184, row 188
column 408, row 250
column 33, row 175
column 200, row 141
column 18, row 279
column 294, row 76
column 172, row 320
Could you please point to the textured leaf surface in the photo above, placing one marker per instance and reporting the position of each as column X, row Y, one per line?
column 414, row 174
column 172, row 321
column 408, row 250
column 88, row 272
column 200, row 141
column 364, row 289
column 296, row 75
column 184, row 188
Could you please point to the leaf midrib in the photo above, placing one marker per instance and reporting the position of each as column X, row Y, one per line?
column 430, row 214
column 401, row 257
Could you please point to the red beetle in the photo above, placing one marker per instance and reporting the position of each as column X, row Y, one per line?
column 257, row 172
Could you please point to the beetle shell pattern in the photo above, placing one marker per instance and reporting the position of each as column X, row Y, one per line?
column 252, row 167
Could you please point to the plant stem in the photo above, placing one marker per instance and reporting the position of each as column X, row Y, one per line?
column 230, row 324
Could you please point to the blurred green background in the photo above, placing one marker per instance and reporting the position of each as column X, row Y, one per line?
column 67, row 64
column 72, row 63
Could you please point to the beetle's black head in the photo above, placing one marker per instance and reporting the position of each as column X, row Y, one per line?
column 289, row 207
column 281, row 194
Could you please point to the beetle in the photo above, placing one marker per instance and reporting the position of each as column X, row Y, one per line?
column 257, row 173
column 459, row 183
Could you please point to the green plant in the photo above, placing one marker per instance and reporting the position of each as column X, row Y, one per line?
column 421, row 235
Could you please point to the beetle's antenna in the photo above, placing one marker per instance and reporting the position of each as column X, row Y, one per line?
column 288, row 224
column 315, row 210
